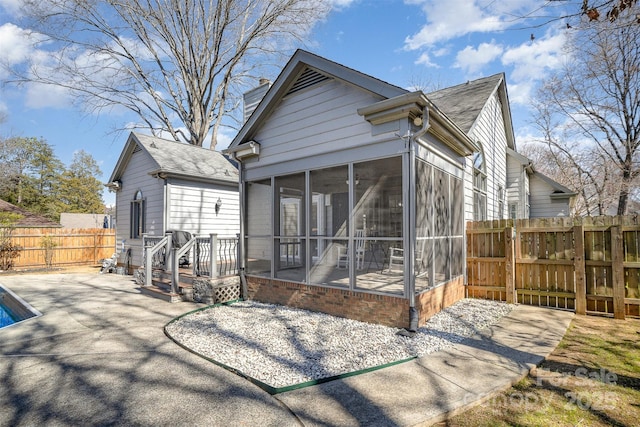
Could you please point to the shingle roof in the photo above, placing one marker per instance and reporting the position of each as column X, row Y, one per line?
column 464, row 102
column 177, row 158
column 28, row 219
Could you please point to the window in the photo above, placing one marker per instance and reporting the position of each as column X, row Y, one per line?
column 137, row 226
column 500, row 198
column 479, row 187
column 513, row 211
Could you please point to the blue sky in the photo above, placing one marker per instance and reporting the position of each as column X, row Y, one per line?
column 432, row 43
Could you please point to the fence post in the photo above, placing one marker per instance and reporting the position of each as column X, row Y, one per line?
column 579, row 269
column 510, row 265
column 214, row 255
column 617, row 267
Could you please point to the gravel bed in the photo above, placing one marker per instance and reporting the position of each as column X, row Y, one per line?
column 283, row 346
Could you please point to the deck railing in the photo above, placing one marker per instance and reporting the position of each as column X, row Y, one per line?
column 210, row 256
column 154, row 255
column 225, row 261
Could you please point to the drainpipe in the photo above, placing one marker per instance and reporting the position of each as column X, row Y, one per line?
column 414, row 314
column 241, row 248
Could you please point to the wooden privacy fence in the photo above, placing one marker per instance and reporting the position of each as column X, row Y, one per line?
column 75, row 246
column 589, row 265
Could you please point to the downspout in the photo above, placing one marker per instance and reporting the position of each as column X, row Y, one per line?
column 167, row 203
column 414, row 314
column 241, row 249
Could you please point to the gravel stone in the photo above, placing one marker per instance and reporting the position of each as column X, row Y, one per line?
column 283, row 346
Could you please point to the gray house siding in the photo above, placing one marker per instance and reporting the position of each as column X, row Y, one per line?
column 318, row 121
column 489, row 131
column 518, row 190
column 135, row 178
column 543, row 205
column 191, row 207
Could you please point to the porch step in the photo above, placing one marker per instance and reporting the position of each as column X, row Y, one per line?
column 157, row 292
column 161, row 288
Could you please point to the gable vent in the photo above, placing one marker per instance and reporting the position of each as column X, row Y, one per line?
column 307, row 79
column 137, row 148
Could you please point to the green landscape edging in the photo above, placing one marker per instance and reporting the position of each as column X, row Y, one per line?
column 338, row 377
column 264, row 386
column 218, row 304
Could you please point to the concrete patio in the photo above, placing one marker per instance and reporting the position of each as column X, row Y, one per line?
column 98, row 356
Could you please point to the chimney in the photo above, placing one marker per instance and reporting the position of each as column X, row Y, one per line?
column 252, row 98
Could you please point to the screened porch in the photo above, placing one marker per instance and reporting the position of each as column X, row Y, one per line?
column 347, row 226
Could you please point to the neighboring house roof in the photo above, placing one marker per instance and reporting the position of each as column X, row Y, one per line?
column 28, row 219
column 305, row 68
column 559, row 190
column 83, row 220
column 177, row 159
column 463, row 103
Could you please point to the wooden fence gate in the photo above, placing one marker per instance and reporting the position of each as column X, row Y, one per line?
column 589, row 265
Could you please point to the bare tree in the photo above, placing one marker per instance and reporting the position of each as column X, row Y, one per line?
column 180, row 65
column 596, row 99
column 573, row 11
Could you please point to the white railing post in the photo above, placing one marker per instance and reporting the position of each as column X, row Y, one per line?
column 176, row 254
column 149, row 253
column 148, row 260
column 213, row 255
column 237, row 266
column 168, row 259
column 196, row 257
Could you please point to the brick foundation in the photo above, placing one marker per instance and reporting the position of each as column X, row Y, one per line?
column 372, row 308
column 381, row 309
column 439, row 298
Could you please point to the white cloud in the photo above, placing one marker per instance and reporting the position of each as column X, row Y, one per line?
column 532, row 60
column 425, row 60
column 520, row 93
column 455, row 18
column 340, row 3
column 472, row 60
column 224, row 139
column 39, row 95
column 531, row 63
column 16, row 44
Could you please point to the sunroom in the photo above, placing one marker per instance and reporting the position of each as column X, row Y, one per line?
column 360, row 215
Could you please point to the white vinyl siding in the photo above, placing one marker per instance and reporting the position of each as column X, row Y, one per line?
column 518, row 191
column 489, row 130
column 316, row 121
column 192, row 208
column 542, row 205
column 136, row 178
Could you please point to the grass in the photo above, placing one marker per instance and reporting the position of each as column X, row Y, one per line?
column 591, row 379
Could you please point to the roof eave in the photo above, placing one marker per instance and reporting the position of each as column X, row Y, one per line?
column 412, row 105
column 298, row 62
column 164, row 174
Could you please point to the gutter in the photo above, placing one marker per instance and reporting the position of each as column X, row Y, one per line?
column 411, row 106
column 162, row 174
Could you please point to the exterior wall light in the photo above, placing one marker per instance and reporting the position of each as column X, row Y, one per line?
column 218, row 206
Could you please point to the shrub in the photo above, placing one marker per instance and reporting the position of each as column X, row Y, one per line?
column 8, row 250
column 48, row 244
